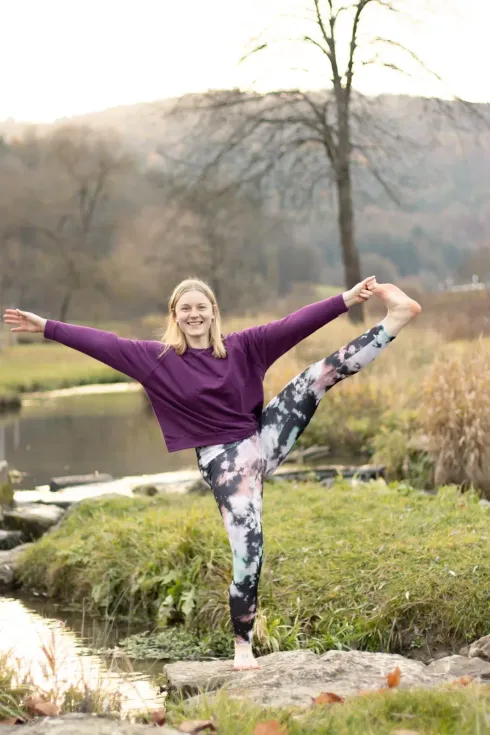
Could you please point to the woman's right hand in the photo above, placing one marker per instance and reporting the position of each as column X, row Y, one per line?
column 24, row 321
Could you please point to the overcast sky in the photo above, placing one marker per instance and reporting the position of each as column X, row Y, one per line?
column 65, row 57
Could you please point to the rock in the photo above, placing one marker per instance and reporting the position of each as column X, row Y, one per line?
column 293, row 678
column 146, row 490
column 464, row 651
column 6, row 490
column 456, row 666
column 9, row 561
column 32, row 519
column 199, row 487
column 480, row 648
column 58, row 483
column 10, row 539
column 79, row 724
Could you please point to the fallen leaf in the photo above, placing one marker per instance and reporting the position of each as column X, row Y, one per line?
column 465, row 680
column 272, row 727
column 193, row 726
column 158, row 717
column 328, row 698
column 393, row 678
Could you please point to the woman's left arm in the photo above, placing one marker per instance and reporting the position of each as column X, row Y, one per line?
column 270, row 341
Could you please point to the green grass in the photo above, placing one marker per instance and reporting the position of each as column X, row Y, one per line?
column 464, row 711
column 371, row 567
column 45, row 366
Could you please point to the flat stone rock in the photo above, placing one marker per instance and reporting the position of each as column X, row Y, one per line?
column 10, row 539
column 78, row 724
column 32, row 519
column 456, row 666
column 294, row 678
column 8, row 564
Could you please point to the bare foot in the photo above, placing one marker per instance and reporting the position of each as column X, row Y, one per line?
column 244, row 658
column 401, row 308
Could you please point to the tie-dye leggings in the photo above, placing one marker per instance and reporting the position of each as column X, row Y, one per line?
column 235, row 471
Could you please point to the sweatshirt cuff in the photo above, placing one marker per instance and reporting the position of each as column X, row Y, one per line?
column 50, row 329
column 342, row 305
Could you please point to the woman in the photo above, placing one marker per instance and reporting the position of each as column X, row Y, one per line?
column 206, row 392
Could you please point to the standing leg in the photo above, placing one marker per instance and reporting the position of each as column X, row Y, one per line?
column 235, row 476
column 288, row 414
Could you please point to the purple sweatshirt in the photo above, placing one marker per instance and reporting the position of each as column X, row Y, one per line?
column 199, row 399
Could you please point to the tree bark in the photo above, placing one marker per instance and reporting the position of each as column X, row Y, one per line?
column 350, row 255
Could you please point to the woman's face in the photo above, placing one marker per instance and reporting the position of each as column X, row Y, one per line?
column 194, row 315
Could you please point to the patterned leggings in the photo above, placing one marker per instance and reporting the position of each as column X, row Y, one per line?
column 235, row 471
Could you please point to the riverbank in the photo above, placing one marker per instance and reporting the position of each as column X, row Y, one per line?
column 375, row 567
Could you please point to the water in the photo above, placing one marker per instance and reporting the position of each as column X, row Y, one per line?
column 79, row 434
column 53, row 648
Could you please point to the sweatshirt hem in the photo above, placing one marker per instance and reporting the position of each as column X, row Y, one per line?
column 207, row 440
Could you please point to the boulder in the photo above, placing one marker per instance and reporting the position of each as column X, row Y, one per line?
column 480, row 648
column 32, row 519
column 9, row 561
column 293, row 678
column 10, row 539
column 80, row 724
column 6, row 490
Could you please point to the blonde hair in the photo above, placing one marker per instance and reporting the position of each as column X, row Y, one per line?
column 174, row 337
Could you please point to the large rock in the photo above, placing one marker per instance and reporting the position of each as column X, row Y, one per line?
column 10, row 539
column 32, row 519
column 6, row 490
column 293, row 678
column 77, row 724
column 480, row 648
column 9, row 561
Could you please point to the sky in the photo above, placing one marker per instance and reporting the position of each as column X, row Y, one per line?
column 66, row 57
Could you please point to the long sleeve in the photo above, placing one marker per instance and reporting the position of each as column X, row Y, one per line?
column 265, row 344
column 135, row 358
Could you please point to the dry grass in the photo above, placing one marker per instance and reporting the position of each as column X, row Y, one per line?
column 457, row 417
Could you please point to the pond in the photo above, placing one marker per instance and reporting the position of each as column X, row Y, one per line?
column 54, row 649
column 58, row 435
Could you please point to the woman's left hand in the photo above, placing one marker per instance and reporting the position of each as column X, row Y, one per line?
column 361, row 292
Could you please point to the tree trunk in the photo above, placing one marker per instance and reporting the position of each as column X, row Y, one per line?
column 65, row 305
column 350, row 256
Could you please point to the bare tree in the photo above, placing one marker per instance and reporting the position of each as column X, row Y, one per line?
column 78, row 213
column 315, row 138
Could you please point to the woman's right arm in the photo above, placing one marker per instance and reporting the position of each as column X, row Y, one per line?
column 135, row 358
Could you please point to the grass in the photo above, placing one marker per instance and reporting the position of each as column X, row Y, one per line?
column 375, row 567
column 461, row 711
column 44, row 366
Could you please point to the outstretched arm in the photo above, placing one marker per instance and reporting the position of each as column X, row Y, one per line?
column 268, row 342
column 135, row 358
